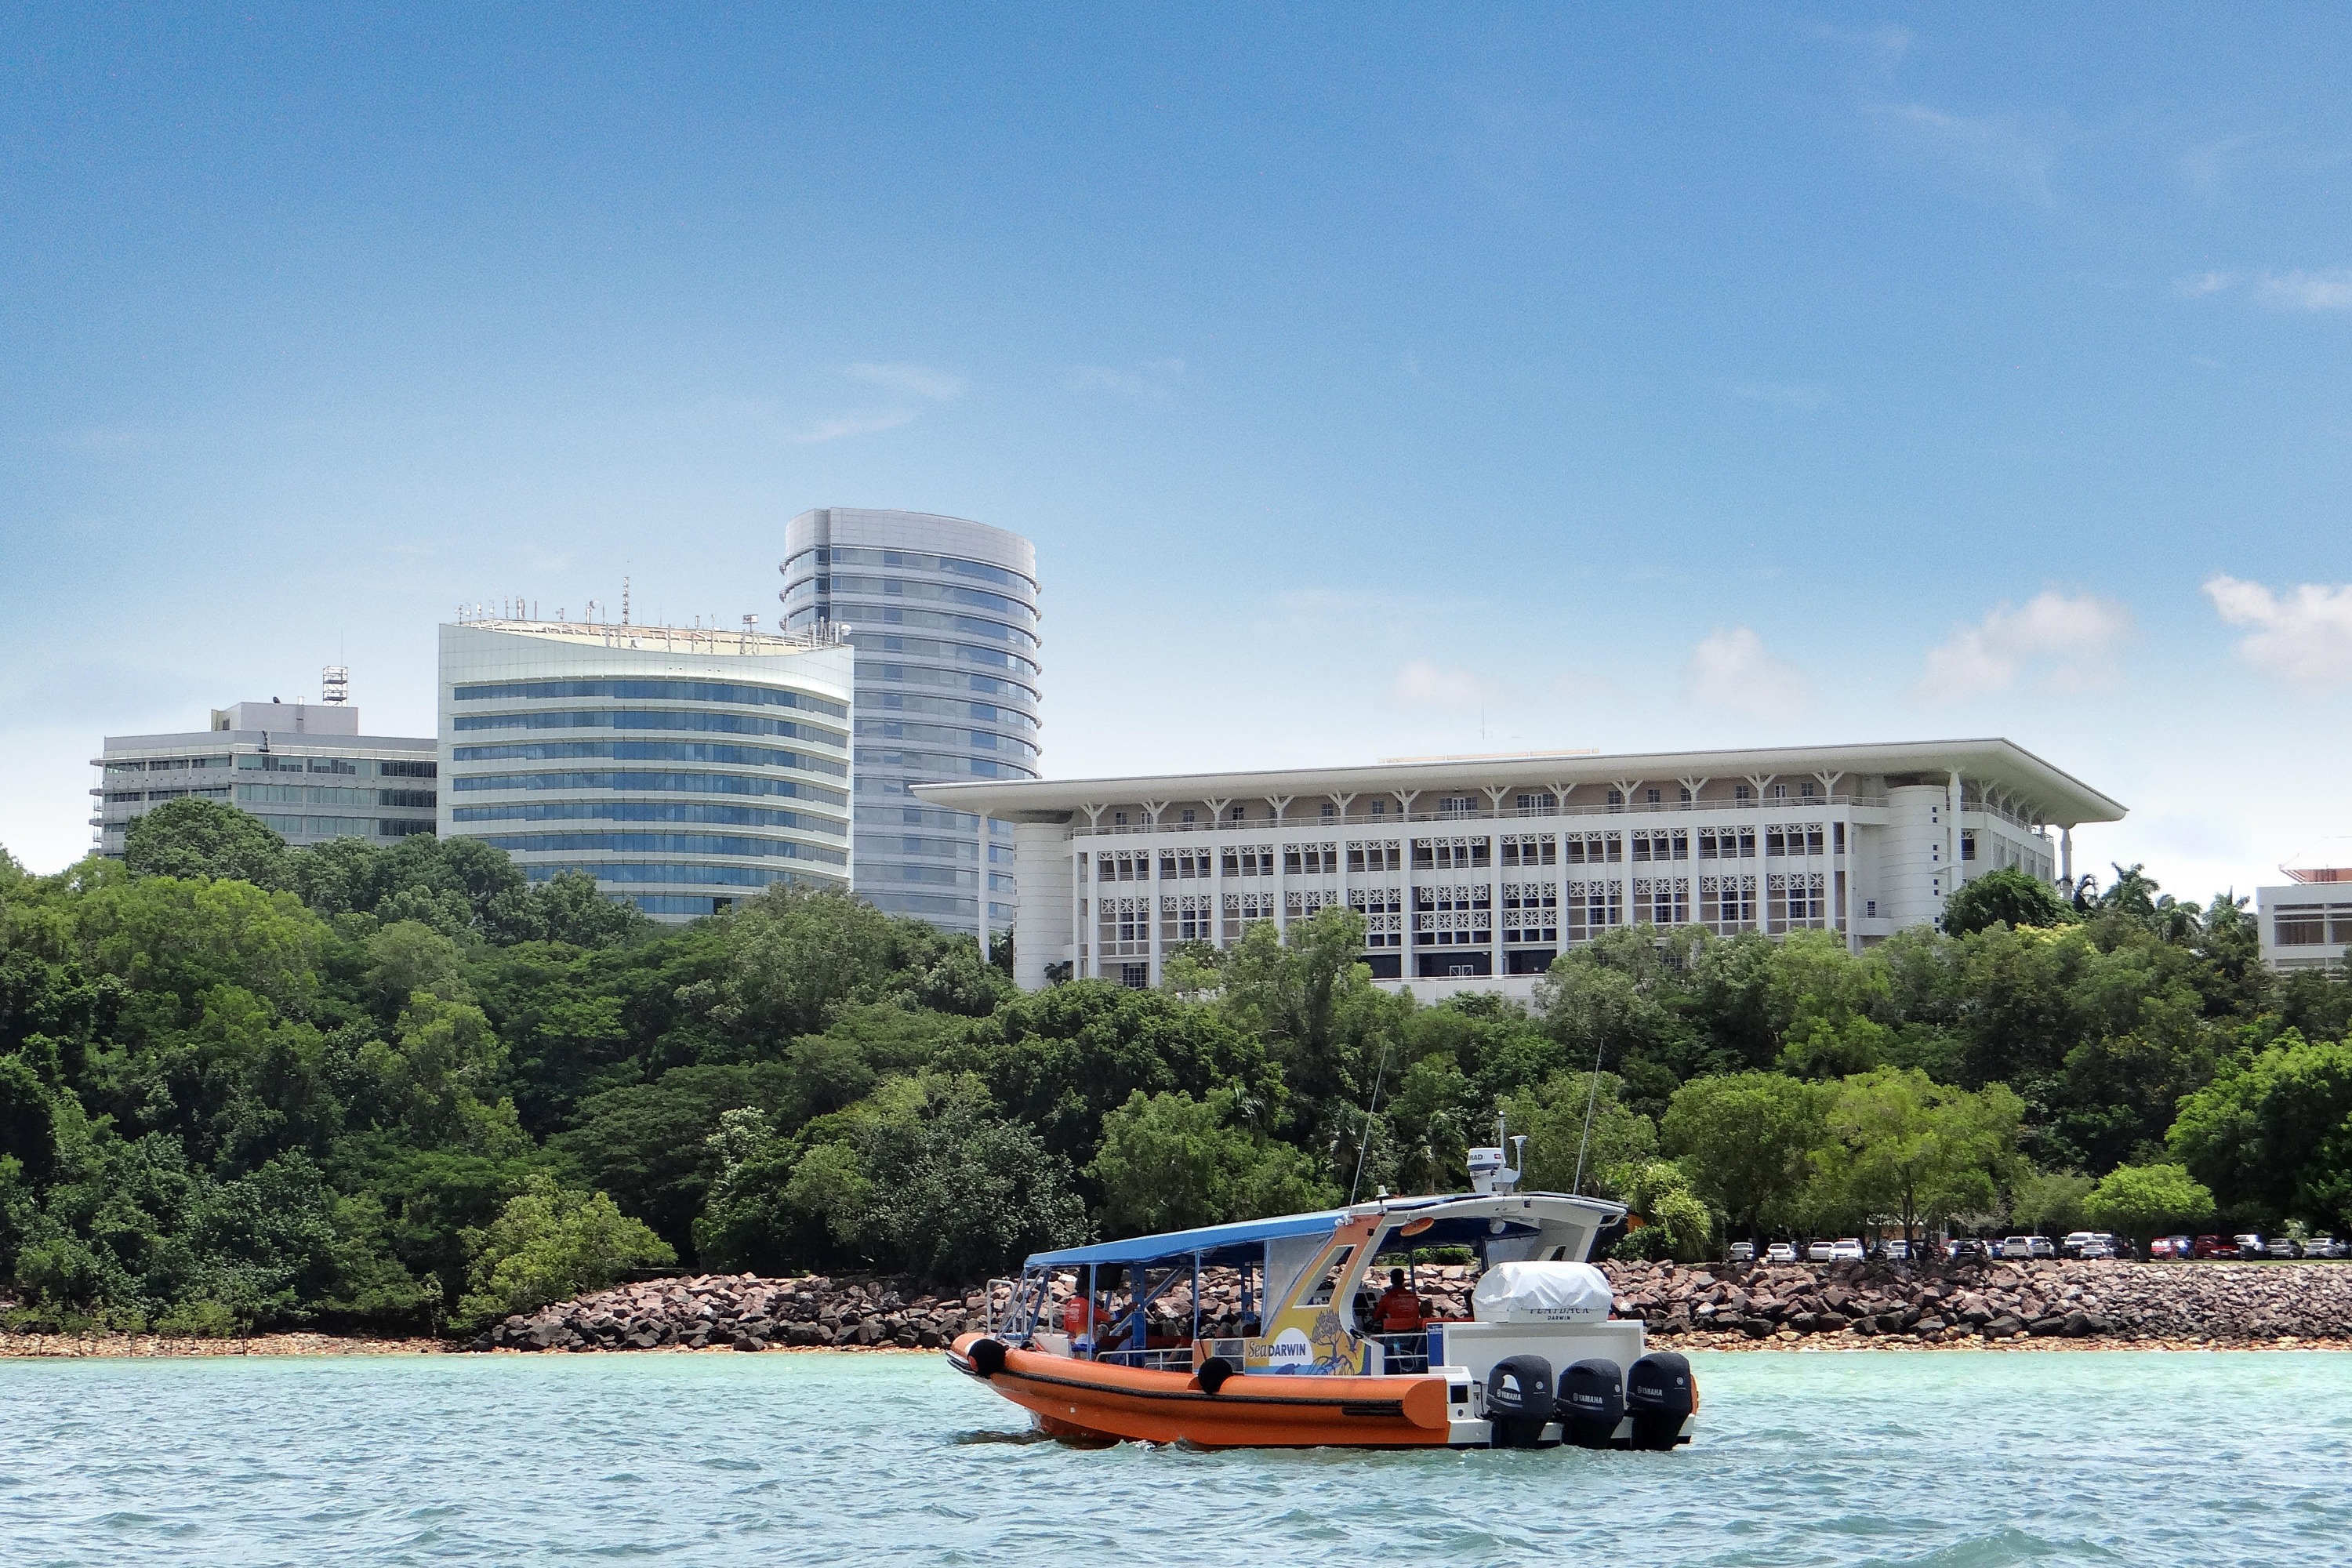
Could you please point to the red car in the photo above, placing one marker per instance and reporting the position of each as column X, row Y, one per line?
column 2214, row 1246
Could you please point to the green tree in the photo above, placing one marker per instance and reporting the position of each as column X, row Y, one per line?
column 2008, row 896
column 1554, row 1118
column 205, row 840
column 1673, row 1222
column 2049, row 1202
column 1168, row 1161
column 1900, row 1144
column 1747, row 1140
column 548, row 1244
column 2273, row 1133
column 2140, row 1201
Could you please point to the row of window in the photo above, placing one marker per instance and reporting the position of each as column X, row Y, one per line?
column 133, row 797
column 2311, row 925
column 167, row 764
column 632, row 780
column 344, row 827
column 940, row 764
column 941, row 735
column 862, row 615
column 347, row 767
column 709, row 876
column 1010, row 692
column 905, row 560
column 869, row 643
column 327, row 795
column 690, row 720
column 666, row 844
column 1469, row 854
column 944, row 708
column 870, row 845
column 652, row 811
column 1013, row 610
column 651, row 752
column 651, row 691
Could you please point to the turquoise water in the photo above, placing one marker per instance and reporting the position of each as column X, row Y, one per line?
column 1952, row 1460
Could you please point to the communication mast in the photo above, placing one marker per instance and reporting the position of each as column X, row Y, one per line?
column 335, row 685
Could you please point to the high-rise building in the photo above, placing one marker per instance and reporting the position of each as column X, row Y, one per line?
column 1474, row 873
column 943, row 614
column 685, row 767
column 302, row 767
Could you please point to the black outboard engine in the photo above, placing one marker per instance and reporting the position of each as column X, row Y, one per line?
column 1520, row 1400
column 1592, row 1403
column 1662, row 1394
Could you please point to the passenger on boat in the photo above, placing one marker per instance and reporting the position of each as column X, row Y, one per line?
column 1398, row 1311
column 1080, row 1322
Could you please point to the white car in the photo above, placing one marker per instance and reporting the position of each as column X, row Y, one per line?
column 1819, row 1252
column 1779, row 1252
column 1846, row 1251
column 2075, row 1241
column 2323, row 1246
column 2017, row 1247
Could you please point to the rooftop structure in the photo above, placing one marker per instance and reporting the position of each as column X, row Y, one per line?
column 943, row 615
column 1476, row 872
column 304, row 768
column 684, row 767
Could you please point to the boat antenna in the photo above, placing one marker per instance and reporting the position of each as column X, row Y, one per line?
column 1591, row 1100
column 1366, row 1142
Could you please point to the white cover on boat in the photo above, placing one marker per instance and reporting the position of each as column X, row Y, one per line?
column 1541, row 1293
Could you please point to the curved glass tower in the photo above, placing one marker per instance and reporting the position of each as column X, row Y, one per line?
column 943, row 615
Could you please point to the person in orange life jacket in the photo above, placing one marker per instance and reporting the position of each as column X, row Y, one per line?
column 1080, row 1321
column 1398, row 1311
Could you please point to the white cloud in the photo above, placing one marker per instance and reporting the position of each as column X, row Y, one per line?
column 1421, row 684
column 2076, row 634
column 914, row 380
column 1150, row 379
column 2328, row 288
column 1730, row 669
column 847, row 425
column 1999, row 150
column 2305, row 638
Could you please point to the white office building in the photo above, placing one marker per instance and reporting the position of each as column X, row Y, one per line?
column 685, row 767
column 302, row 767
column 1476, row 872
column 943, row 614
column 2306, row 921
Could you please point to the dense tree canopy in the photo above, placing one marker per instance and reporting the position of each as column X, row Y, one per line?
column 404, row 1087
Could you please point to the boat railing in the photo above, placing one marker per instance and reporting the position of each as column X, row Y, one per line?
column 1174, row 1358
column 1403, row 1354
column 1229, row 1349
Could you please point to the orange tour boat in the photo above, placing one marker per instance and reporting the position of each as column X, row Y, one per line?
column 1539, row 1362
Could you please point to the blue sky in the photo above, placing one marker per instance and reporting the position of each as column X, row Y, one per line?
column 1373, row 381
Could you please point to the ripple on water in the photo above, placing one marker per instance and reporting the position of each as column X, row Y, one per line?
column 1944, row 1461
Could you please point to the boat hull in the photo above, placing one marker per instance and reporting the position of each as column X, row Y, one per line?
column 1095, row 1399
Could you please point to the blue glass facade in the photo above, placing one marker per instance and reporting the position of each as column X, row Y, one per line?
column 943, row 615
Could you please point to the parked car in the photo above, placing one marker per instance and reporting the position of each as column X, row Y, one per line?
column 1779, row 1252
column 2181, row 1244
column 1969, row 1247
column 2283, row 1246
column 2075, row 1243
column 2249, row 1246
column 2322, row 1247
column 2017, row 1247
column 2161, row 1248
column 1821, row 1252
column 2042, row 1246
column 1897, row 1250
column 1743, row 1252
column 1846, row 1251
column 2095, row 1246
column 2213, row 1247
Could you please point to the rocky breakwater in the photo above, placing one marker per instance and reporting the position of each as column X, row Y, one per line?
column 745, row 1312
column 2110, row 1302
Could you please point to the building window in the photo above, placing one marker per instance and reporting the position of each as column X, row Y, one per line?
column 1616, row 798
column 1239, row 813
column 2300, row 925
column 1458, row 805
column 1189, row 817
column 1779, row 792
column 1684, row 794
column 1741, row 792
column 1967, row 844
column 1328, row 813
column 1118, row 819
column 1537, row 804
column 1650, row 796
column 1805, row 791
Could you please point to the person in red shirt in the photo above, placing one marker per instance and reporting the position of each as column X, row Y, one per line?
column 1398, row 1311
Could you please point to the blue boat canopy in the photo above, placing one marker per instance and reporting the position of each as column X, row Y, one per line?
column 1244, row 1242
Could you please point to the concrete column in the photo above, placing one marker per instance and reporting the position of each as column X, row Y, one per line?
column 1952, row 840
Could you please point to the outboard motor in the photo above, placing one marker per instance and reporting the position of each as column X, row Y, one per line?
column 1591, row 1402
column 1662, row 1394
column 1520, row 1400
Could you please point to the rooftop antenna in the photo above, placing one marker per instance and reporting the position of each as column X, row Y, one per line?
column 1363, row 1146
column 625, row 601
column 335, row 685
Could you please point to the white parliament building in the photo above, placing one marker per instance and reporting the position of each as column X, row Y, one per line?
column 1473, row 873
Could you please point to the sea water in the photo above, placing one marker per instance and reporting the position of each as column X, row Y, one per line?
column 1946, row 1458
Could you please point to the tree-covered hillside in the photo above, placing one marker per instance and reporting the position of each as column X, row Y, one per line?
column 399, row 1089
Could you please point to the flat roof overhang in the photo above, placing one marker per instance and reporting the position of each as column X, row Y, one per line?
column 2057, row 797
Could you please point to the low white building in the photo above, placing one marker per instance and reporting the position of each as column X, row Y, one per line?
column 2306, row 921
column 1476, row 872
column 684, row 767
